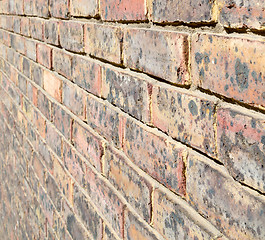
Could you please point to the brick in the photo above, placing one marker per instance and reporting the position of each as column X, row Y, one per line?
column 135, row 229
column 51, row 32
column 25, row 26
column 62, row 63
column 53, row 192
column 16, row 24
column 5, row 39
column 108, row 234
column 125, row 10
column 235, row 70
column 103, row 119
column 103, row 41
column 163, row 54
column 41, row 8
column 38, row 168
column 87, row 144
column 84, row 8
column 106, row 200
column 62, row 120
column 27, row 108
column 160, row 158
column 74, row 164
column 173, row 221
column 128, row 92
column 59, row 8
column 32, row 93
column 234, row 210
column 30, row 49
column 26, row 67
column 135, row 189
column 37, row 74
column 22, row 84
column 47, row 156
column 87, row 213
column 46, row 205
column 87, row 74
column 74, row 98
column 17, row 43
column 241, row 145
column 16, row 7
column 53, row 139
column 248, row 14
column 40, row 123
column 188, row 117
column 44, row 55
column 36, row 28
column 53, row 85
column 182, row 11
column 72, row 36
column 28, row 6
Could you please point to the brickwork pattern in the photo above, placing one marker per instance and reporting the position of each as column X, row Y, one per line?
column 132, row 119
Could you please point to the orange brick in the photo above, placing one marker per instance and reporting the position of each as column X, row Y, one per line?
column 53, row 85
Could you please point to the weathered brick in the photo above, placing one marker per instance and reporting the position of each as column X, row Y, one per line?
column 72, row 36
column 27, row 108
column 173, row 221
column 135, row 229
column 235, row 70
column 5, row 38
column 47, row 206
column 36, row 28
column 160, row 53
column 160, row 158
column 62, row 62
column 188, row 117
column 123, row 10
column 53, row 85
column 53, row 191
column 40, row 8
column 87, row 213
column 46, row 155
column 62, row 120
column 17, row 43
column 74, row 164
column 126, row 180
column 30, row 49
column 103, row 41
column 25, row 26
column 32, row 93
column 74, row 98
column 16, row 24
column 44, row 55
column 39, row 123
column 106, row 200
column 182, row 11
column 104, row 119
column 16, row 6
column 26, row 67
column 22, row 84
column 53, row 139
column 37, row 74
column 234, row 210
column 128, row 92
column 244, row 14
column 84, row 8
column 51, row 32
column 59, row 8
column 87, row 74
column 88, row 144
column 39, row 168
column 241, row 145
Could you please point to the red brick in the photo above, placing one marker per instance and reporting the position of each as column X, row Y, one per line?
column 248, row 14
column 84, row 8
column 30, row 49
column 44, row 105
column 36, row 28
column 44, row 55
column 128, row 92
column 62, row 120
column 241, row 145
column 135, row 189
column 236, row 211
column 25, row 26
column 51, row 32
column 87, row 74
column 40, row 8
column 182, row 11
column 87, row 144
column 123, row 10
column 106, row 200
column 160, row 53
column 161, row 158
column 53, row 85
column 37, row 74
column 175, row 220
column 62, row 62
column 74, row 98
column 104, row 119
column 103, row 41
column 72, row 36
column 59, row 8
column 235, row 70
column 39, row 122
column 32, row 94
column 53, row 139
column 188, row 117
column 136, row 229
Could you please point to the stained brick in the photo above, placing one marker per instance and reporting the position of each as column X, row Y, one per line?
column 25, row 26
column 159, row 53
column 44, row 55
column 103, row 41
column 235, row 70
column 36, row 28
column 51, row 32
column 30, row 49
column 53, row 139
column 84, row 8
column 62, row 62
column 59, row 8
column 241, row 145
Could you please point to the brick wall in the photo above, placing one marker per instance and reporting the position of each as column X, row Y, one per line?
column 132, row 119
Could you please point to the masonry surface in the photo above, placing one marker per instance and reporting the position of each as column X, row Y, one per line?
column 132, row 119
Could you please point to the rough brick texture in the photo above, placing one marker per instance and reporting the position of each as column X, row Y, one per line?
column 132, row 119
